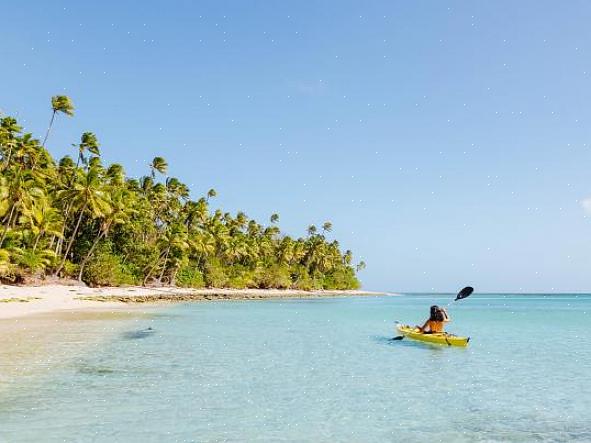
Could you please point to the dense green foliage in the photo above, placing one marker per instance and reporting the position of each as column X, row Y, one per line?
column 82, row 219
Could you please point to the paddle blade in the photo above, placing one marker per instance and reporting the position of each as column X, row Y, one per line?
column 466, row 292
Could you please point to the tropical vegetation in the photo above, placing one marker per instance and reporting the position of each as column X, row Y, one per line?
column 81, row 219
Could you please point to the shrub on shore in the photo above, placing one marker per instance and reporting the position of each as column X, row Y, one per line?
column 190, row 277
column 106, row 269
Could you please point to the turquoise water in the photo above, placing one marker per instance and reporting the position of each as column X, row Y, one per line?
column 321, row 370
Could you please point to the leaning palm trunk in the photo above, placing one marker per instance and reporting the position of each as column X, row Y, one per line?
column 60, row 241
column 37, row 240
column 8, row 220
column 152, row 269
column 164, row 265
column 89, row 254
column 8, row 157
column 174, row 274
column 49, row 128
column 71, row 242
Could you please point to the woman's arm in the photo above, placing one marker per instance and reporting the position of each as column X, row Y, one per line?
column 446, row 316
column 422, row 328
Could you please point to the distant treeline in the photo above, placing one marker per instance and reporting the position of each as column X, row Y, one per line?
column 78, row 218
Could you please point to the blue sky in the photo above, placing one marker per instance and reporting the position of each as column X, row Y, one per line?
column 448, row 142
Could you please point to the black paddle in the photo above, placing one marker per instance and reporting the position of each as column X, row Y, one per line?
column 464, row 293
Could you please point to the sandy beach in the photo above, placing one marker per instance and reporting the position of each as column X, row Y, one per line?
column 19, row 301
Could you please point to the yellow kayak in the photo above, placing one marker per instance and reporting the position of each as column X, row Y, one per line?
column 440, row 338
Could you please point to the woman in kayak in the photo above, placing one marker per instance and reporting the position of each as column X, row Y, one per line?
column 436, row 321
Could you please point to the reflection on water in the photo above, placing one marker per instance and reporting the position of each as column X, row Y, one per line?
column 392, row 341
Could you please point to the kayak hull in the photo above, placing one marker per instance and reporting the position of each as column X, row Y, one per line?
column 443, row 338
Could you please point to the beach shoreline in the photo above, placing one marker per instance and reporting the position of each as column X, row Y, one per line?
column 21, row 301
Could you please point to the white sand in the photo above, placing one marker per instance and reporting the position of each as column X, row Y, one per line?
column 61, row 297
column 51, row 298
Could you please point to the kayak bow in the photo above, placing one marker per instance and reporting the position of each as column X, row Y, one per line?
column 440, row 338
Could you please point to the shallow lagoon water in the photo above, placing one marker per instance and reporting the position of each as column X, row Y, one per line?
column 320, row 370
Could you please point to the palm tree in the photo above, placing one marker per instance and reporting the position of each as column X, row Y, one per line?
column 286, row 251
column 4, row 194
column 42, row 219
column 23, row 186
column 59, row 103
column 158, row 164
column 88, row 142
column 87, row 194
column 116, row 174
column 266, row 247
column 253, row 229
column 8, row 131
column 274, row 218
column 241, row 220
column 177, row 189
column 174, row 238
column 211, row 194
column 202, row 210
column 120, row 212
column 235, row 249
column 312, row 230
column 347, row 257
column 204, row 245
column 272, row 231
column 219, row 232
column 66, row 170
column 327, row 227
column 146, row 185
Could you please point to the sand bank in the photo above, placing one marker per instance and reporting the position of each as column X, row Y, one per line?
column 18, row 301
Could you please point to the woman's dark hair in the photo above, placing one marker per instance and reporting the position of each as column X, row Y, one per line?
column 436, row 314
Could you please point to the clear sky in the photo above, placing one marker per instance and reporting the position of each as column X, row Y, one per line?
column 448, row 142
